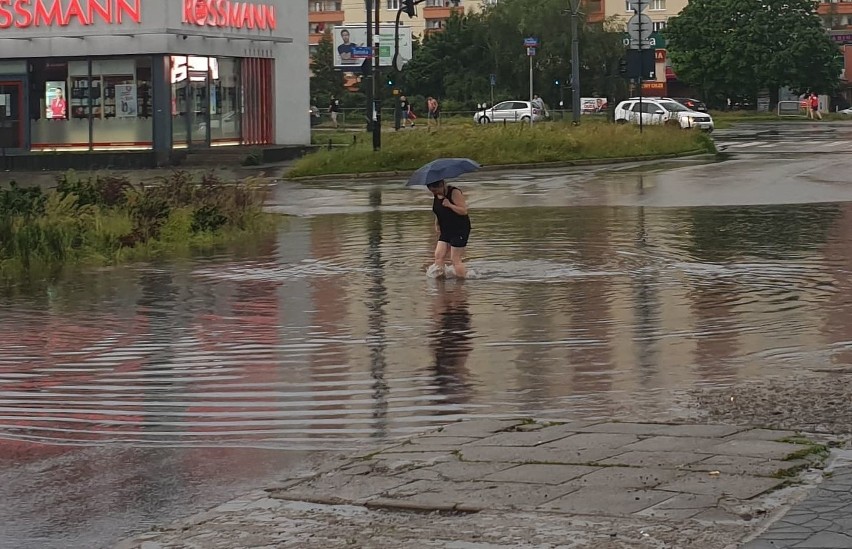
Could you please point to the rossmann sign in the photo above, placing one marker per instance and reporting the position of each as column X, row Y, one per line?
column 228, row 14
column 23, row 14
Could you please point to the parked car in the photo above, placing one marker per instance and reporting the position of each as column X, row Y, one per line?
column 845, row 112
column 510, row 111
column 661, row 111
column 692, row 104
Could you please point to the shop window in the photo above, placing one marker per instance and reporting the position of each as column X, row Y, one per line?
column 224, row 103
column 98, row 104
column 52, row 124
column 190, row 82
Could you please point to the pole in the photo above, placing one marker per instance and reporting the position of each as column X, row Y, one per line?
column 531, row 89
column 641, row 71
column 377, row 74
column 492, row 93
column 575, row 63
column 367, row 67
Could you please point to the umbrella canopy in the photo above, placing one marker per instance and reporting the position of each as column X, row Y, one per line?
column 442, row 168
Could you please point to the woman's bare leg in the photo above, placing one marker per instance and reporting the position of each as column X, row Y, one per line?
column 441, row 250
column 456, row 256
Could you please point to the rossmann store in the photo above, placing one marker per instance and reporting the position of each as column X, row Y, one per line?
column 135, row 82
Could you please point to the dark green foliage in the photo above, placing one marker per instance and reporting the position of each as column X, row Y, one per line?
column 26, row 202
column 735, row 48
column 325, row 79
column 100, row 191
column 207, row 218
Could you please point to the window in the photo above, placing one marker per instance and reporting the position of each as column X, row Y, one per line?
column 434, row 24
column 627, row 5
column 434, row 3
column 658, row 5
column 393, row 4
column 659, row 25
column 107, row 99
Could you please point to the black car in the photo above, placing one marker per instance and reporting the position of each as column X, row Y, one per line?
column 691, row 104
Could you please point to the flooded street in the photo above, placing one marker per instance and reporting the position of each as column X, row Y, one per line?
column 133, row 395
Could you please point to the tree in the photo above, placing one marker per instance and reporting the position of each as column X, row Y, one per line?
column 325, row 79
column 734, row 48
column 456, row 63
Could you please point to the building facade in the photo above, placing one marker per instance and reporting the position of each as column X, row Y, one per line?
column 152, row 75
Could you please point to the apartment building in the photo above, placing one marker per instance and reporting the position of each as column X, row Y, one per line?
column 431, row 14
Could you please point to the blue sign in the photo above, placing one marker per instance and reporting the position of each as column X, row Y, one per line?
column 530, row 52
column 530, row 42
column 493, row 79
column 362, row 52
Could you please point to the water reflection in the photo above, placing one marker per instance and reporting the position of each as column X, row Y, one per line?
column 328, row 335
column 451, row 341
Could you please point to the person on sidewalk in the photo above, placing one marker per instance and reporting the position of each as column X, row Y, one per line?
column 405, row 108
column 334, row 110
column 433, row 110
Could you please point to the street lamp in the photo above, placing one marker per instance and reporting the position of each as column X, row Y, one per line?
column 575, row 62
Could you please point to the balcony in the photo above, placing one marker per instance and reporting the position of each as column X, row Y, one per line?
column 839, row 7
column 441, row 9
column 594, row 10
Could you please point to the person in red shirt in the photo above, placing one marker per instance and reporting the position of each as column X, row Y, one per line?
column 58, row 105
column 815, row 106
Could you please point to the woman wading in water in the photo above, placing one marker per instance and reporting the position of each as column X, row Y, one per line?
column 452, row 225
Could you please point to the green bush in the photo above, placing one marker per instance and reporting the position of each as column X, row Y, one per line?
column 102, row 219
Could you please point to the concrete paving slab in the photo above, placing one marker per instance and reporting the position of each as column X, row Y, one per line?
column 587, row 441
column 537, row 454
column 737, row 486
column 540, row 473
column 457, row 470
column 653, row 459
column 624, row 428
column 533, row 438
column 479, row 428
column 627, row 477
column 754, row 448
column 680, row 507
column 337, row 488
column 671, row 444
column 699, row 431
column 826, row 540
column 610, row 502
column 762, row 434
column 744, row 465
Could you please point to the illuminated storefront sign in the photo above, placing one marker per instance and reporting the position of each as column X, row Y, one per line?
column 23, row 14
column 225, row 13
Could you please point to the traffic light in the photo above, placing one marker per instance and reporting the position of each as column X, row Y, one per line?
column 622, row 66
column 390, row 81
column 556, row 82
column 408, row 7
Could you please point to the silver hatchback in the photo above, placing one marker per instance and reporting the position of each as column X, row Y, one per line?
column 509, row 111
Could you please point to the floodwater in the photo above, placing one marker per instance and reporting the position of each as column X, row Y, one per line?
column 133, row 395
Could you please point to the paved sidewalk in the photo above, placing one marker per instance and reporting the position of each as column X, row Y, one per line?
column 822, row 521
column 495, row 483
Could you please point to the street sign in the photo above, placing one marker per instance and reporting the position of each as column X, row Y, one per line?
column 639, row 5
column 362, row 52
column 640, row 27
column 638, row 44
column 530, row 52
column 493, row 79
column 530, row 42
column 640, row 64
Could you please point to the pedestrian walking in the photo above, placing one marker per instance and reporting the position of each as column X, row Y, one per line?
column 433, row 110
column 407, row 113
column 452, row 225
column 334, row 110
column 815, row 107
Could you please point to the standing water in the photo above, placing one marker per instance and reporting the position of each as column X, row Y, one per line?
column 132, row 395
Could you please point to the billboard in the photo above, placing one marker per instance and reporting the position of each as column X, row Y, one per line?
column 351, row 48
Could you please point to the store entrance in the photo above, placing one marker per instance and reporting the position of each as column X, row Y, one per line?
column 190, row 101
column 12, row 115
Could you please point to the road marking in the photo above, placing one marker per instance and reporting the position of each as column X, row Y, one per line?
column 747, row 144
column 836, row 143
column 767, row 145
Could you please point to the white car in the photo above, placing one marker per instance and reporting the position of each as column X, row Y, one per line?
column 658, row 111
column 510, row 111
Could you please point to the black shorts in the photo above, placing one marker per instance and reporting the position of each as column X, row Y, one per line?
column 456, row 240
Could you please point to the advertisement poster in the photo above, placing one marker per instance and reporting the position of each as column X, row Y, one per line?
column 125, row 100
column 56, row 106
column 351, row 48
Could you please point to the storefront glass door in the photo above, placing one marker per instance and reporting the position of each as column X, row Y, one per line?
column 190, row 79
column 11, row 115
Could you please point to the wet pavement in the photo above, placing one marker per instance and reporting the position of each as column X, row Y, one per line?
column 655, row 485
column 128, row 394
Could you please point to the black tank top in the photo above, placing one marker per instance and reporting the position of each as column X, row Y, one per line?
column 449, row 221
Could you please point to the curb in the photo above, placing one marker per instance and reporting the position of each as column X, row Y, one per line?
column 499, row 167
